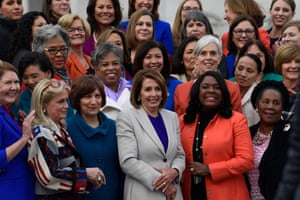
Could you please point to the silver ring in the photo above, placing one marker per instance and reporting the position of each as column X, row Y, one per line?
column 99, row 178
column 192, row 169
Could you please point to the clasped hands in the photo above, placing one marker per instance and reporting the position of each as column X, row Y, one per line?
column 165, row 182
column 198, row 168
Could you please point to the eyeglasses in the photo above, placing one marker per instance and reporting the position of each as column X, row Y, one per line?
column 54, row 83
column 187, row 8
column 53, row 50
column 248, row 32
column 79, row 29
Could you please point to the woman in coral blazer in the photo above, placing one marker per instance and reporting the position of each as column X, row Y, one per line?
column 217, row 143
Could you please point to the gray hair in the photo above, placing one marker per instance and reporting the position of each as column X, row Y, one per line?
column 47, row 32
column 196, row 15
column 103, row 49
column 204, row 41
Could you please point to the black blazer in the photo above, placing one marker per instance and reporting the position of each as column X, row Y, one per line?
column 289, row 188
column 273, row 159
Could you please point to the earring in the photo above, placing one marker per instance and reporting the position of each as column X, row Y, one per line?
column 44, row 111
column 138, row 100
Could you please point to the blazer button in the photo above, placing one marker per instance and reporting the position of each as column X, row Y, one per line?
column 99, row 160
column 165, row 160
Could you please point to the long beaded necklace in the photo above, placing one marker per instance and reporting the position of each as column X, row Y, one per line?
column 258, row 140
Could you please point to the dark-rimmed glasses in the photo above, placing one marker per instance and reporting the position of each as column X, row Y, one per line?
column 79, row 29
column 240, row 32
column 53, row 50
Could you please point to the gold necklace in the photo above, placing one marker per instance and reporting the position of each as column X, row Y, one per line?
column 258, row 140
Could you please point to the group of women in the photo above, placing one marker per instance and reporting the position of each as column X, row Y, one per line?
column 94, row 118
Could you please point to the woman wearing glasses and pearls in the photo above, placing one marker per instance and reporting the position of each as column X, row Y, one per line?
column 78, row 63
column 51, row 153
column 55, row 43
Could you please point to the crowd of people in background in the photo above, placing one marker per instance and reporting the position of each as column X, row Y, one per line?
column 101, row 108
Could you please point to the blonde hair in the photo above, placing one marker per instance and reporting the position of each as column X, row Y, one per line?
column 42, row 94
column 67, row 20
column 285, row 53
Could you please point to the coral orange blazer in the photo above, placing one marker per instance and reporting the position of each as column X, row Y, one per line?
column 228, row 152
column 75, row 67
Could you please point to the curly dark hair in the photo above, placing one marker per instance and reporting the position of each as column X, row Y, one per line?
column 225, row 108
column 274, row 85
column 22, row 36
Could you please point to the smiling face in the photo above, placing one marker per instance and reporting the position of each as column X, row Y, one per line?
column 150, row 95
column 59, row 59
column 195, row 28
column 90, row 104
column 142, row 4
column 281, row 12
column 104, row 12
column 210, row 95
column 208, row 58
column 290, row 70
column 109, row 70
column 246, row 72
column 56, row 108
column 291, row 35
column 12, row 9
column 144, row 28
column 154, row 60
column 33, row 75
column 229, row 15
column 60, row 7
column 242, row 33
column 116, row 39
column 9, row 88
column 270, row 107
column 76, row 33
column 188, row 58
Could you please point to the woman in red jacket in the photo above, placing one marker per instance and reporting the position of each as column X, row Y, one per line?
column 217, row 143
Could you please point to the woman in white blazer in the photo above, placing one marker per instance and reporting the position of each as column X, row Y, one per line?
column 150, row 151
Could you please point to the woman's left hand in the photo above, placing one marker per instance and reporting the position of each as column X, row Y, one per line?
column 198, row 168
column 167, row 176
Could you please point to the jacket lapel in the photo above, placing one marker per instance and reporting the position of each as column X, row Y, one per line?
column 146, row 124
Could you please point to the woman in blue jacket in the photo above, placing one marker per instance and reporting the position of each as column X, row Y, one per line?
column 94, row 136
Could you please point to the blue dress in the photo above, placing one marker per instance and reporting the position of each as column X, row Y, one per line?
column 16, row 179
column 163, row 33
column 97, row 147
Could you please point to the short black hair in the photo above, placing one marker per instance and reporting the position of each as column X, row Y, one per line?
column 274, row 85
column 35, row 58
column 225, row 108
